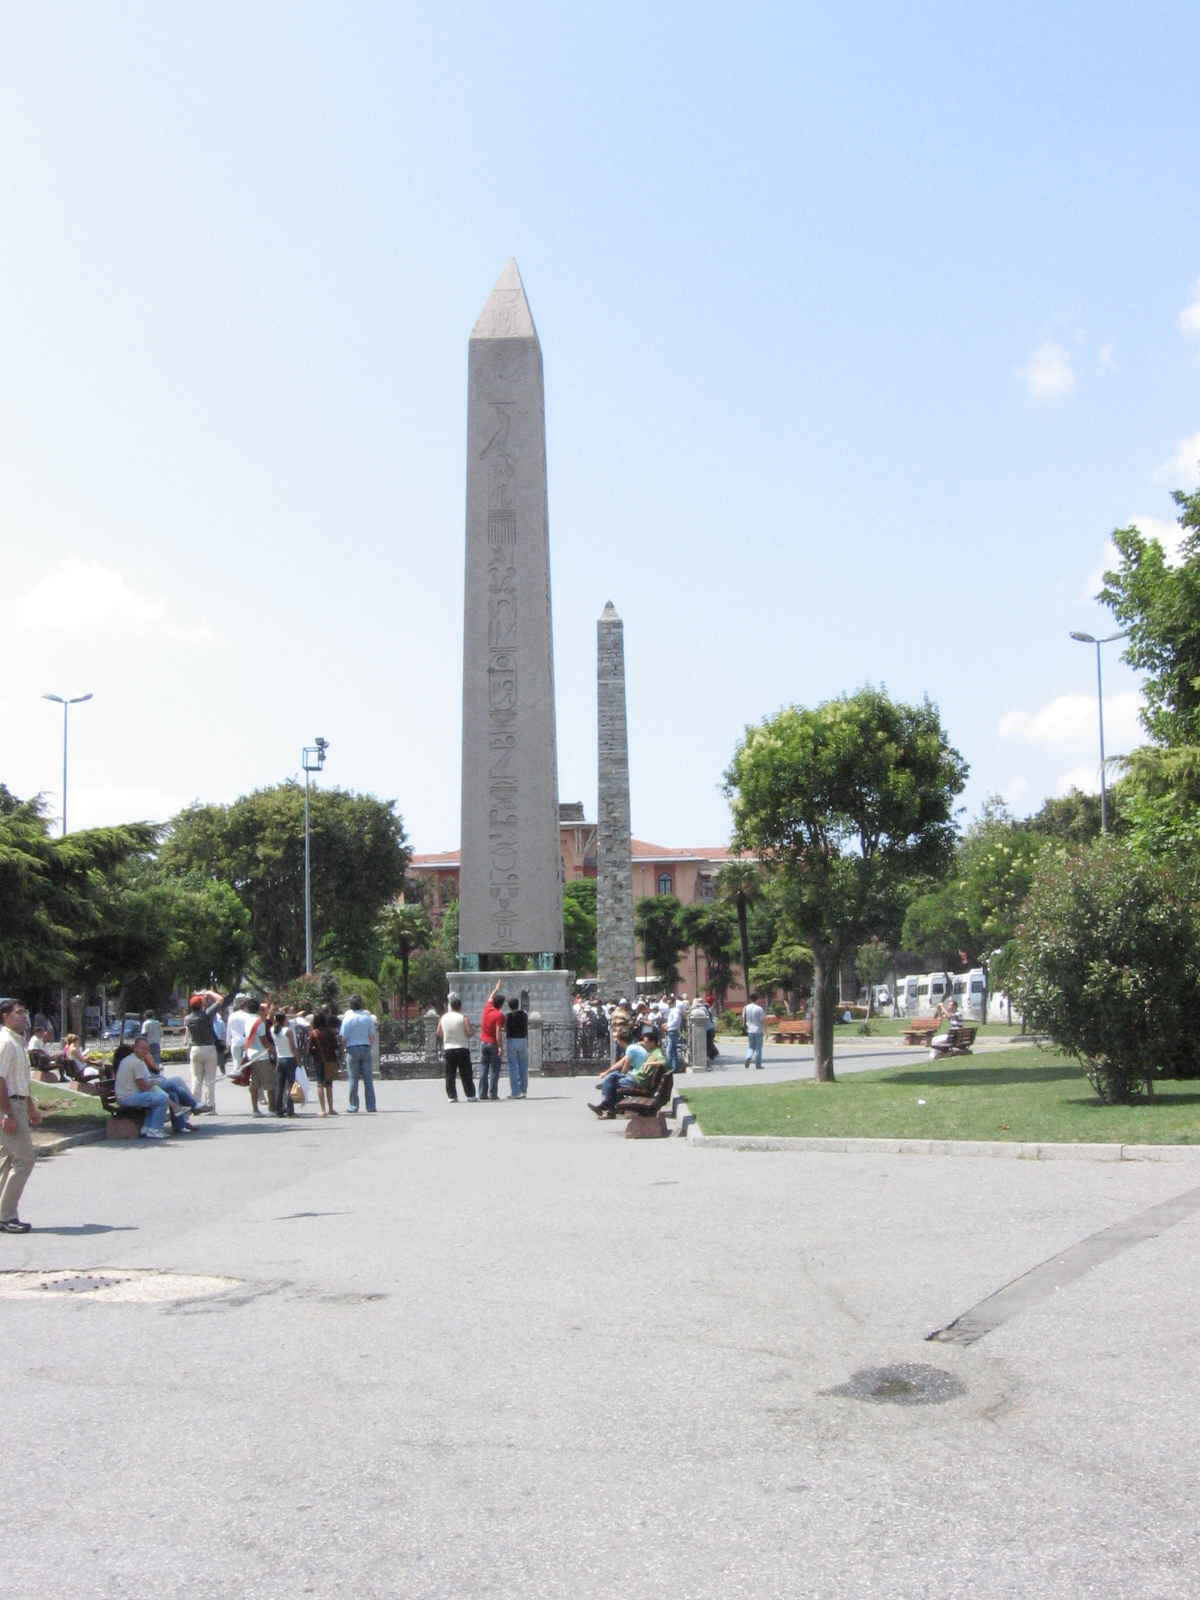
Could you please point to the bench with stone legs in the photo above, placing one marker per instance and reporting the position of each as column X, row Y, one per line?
column 126, row 1121
column 657, row 1096
column 789, row 1030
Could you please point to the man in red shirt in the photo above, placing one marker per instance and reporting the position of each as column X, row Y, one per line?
column 491, row 1035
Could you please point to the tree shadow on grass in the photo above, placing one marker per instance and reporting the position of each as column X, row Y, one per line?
column 967, row 1077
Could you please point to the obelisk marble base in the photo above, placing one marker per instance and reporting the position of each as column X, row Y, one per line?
column 550, row 993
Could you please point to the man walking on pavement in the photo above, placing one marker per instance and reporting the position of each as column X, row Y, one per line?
column 753, row 1017
column 18, row 1112
column 357, row 1031
column 676, row 1017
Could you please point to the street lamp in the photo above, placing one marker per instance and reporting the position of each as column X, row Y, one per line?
column 66, row 704
column 317, row 754
column 1088, row 638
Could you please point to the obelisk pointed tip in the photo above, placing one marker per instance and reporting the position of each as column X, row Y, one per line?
column 609, row 614
column 506, row 314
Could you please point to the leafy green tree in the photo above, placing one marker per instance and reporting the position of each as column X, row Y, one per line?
column 787, row 965
column 403, row 928
column 1158, row 605
column 1108, row 964
column 973, row 914
column 872, row 963
column 256, row 845
column 713, row 928
column 1073, row 818
column 659, row 922
column 846, row 803
column 740, row 883
column 427, row 978
column 579, row 926
column 54, row 893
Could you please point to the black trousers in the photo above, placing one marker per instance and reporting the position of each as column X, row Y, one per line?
column 285, row 1077
column 459, row 1061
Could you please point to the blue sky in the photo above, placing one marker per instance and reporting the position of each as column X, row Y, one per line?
column 861, row 333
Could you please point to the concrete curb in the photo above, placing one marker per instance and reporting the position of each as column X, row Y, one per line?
column 68, row 1140
column 1011, row 1150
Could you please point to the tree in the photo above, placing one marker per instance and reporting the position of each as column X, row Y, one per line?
column 579, row 926
column 712, row 928
column 256, row 845
column 846, row 803
column 1073, row 818
column 973, row 915
column 788, row 965
column 1158, row 605
column 54, row 893
column 1108, row 964
column 404, row 928
column 872, row 962
column 659, row 927
column 740, row 882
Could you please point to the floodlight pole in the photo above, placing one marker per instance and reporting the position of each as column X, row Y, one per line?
column 317, row 754
column 66, row 702
column 1087, row 638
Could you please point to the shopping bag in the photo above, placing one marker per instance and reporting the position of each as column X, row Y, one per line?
column 302, row 1084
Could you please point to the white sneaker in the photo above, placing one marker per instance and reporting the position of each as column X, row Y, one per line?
column 152, row 1133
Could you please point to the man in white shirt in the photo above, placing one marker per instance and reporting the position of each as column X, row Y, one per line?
column 676, row 1017
column 753, row 1017
column 135, row 1087
column 358, row 1033
column 18, row 1112
column 151, row 1031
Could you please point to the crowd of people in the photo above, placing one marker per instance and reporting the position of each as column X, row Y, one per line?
column 503, row 1034
column 277, row 1053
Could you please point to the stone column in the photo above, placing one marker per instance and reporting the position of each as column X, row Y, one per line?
column 535, row 1044
column 616, row 958
column 698, row 1036
column 430, row 1019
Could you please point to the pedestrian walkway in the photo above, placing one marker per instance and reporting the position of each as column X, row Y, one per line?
column 501, row 1350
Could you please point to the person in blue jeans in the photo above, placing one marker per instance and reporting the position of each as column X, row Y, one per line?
column 516, row 1031
column 357, row 1031
column 134, row 1088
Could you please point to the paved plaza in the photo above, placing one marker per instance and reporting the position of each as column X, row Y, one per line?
column 501, row 1350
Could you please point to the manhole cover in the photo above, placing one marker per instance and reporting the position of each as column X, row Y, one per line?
column 910, row 1384
column 123, row 1286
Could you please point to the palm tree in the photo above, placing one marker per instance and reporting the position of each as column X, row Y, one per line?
column 403, row 929
column 740, row 882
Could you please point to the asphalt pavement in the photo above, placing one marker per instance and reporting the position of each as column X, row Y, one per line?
column 467, row 1350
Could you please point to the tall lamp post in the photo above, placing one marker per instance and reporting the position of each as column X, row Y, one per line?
column 66, row 702
column 1088, row 638
column 313, row 759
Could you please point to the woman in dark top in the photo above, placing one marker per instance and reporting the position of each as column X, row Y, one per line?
column 322, row 1052
column 516, row 1029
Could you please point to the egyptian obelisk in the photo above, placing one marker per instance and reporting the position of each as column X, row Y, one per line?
column 616, row 957
column 510, row 875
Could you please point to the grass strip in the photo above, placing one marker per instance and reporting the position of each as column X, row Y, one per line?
column 1027, row 1095
column 64, row 1112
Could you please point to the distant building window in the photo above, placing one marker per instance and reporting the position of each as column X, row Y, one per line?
column 664, row 883
column 449, row 891
column 707, row 887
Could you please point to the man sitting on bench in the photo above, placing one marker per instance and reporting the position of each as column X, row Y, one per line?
column 633, row 1074
column 950, row 1032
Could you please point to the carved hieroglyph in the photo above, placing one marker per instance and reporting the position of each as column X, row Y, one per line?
column 510, row 882
column 615, row 948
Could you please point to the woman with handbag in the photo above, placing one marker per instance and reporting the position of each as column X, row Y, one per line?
column 259, row 1057
column 284, row 1041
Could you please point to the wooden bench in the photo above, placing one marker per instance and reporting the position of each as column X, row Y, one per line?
column 922, row 1029
column 960, row 1042
column 651, row 1103
column 790, row 1030
column 106, row 1088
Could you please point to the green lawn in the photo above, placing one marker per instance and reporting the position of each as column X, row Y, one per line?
column 1028, row 1095
column 64, row 1112
column 888, row 1027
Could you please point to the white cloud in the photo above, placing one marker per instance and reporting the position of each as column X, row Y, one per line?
column 1049, row 373
column 1085, row 778
column 1071, row 720
column 1182, row 471
column 107, row 805
column 1106, row 357
column 1189, row 317
column 88, row 589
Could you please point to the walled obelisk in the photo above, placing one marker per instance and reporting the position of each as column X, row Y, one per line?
column 510, row 875
column 616, row 956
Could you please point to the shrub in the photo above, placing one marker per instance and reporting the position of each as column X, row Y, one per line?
column 1107, row 965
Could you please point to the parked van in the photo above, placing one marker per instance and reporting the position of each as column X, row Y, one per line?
column 969, row 990
column 933, row 990
column 906, row 996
